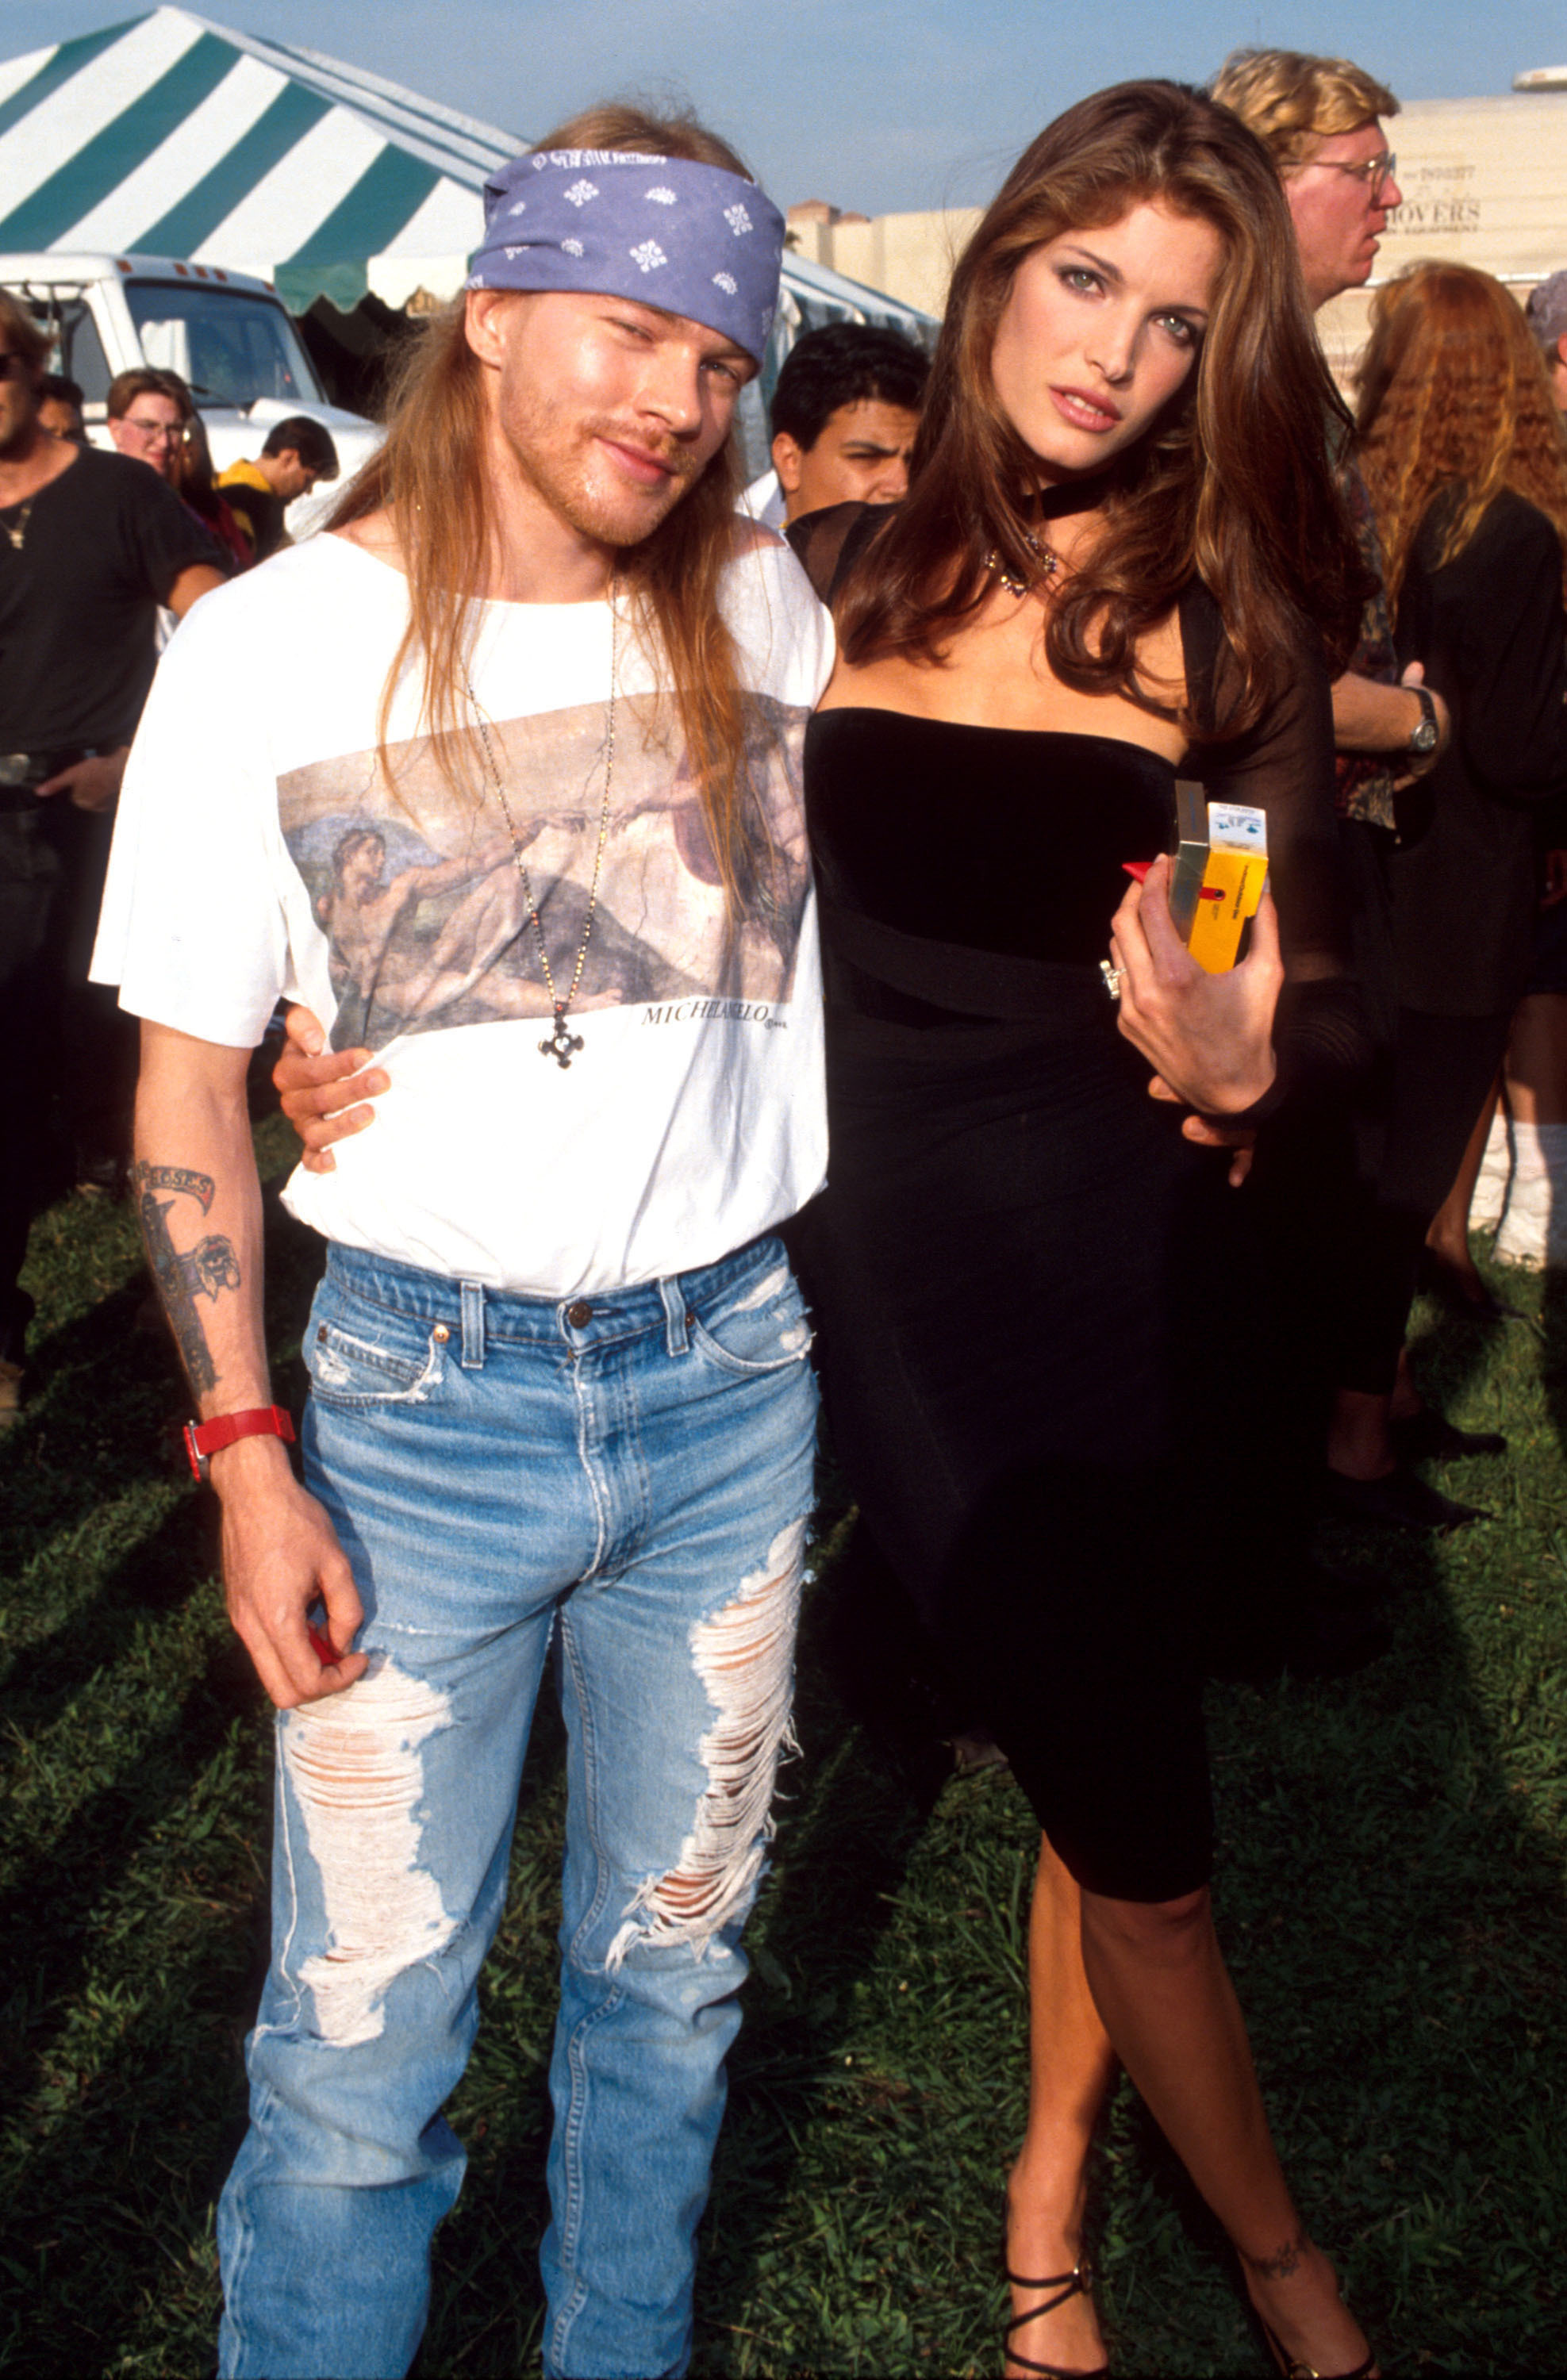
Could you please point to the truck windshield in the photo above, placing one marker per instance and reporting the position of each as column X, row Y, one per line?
column 230, row 346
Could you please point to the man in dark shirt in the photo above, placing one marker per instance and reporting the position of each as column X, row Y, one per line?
column 90, row 547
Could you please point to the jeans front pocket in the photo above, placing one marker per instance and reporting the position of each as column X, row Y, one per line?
column 760, row 1326
column 358, row 1356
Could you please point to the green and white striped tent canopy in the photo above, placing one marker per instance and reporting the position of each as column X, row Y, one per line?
column 171, row 136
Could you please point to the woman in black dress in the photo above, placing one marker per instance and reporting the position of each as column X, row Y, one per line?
column 1121, row 560
column 1463, row 454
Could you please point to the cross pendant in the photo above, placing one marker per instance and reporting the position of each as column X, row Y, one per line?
column 560, row 1044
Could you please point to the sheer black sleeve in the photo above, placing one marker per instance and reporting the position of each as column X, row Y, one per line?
column 830, row 542
column 1284, row 767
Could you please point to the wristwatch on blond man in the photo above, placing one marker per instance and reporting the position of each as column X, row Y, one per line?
column 1425, row 736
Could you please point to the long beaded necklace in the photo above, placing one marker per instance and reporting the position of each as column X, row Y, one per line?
column 560, row 1044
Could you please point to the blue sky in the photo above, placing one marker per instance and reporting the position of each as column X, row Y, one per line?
column 879, row 104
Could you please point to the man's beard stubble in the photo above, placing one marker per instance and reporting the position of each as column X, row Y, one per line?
column 532, row 440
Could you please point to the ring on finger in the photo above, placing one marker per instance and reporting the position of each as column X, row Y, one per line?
column 1112, row 976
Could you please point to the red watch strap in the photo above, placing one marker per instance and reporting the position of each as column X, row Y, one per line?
column 206, row 1437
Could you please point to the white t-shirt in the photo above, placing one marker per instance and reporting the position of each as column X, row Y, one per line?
column 260, row 853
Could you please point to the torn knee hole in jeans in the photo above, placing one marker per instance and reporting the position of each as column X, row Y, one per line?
column 744, row 1655
column 358, row 1773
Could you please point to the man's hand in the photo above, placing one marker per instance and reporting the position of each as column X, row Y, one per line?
column 325, row 1092
column 1209, row 1038
column 1371, row 717
column 89, row 784
column 280, row 1558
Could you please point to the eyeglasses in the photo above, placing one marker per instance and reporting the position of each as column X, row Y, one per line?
column 173, row 431
column 1375, row 172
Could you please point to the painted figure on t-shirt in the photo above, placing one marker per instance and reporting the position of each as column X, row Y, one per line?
column 418, row 890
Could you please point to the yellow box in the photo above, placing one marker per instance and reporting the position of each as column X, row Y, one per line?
column 1232, row 887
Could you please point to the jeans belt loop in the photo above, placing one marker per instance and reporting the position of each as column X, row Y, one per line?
column 473, row 1326
column 673, row 1297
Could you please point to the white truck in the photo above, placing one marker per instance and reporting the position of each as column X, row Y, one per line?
column 226, row 333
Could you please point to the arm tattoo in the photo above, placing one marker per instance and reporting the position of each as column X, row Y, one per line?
column 209, row 1268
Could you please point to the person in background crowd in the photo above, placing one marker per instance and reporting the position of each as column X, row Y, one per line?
column 145, row 419
column 1514, row 1171
column 540, row 672
column 59, row 407
column 1320, row 119
column 1546, row 314
column 198, row 491
column 298, row 454
column 843, row 416
column 91, row 550
column 1463, row 456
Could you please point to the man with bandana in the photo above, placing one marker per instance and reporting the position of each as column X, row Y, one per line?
column 525, row 819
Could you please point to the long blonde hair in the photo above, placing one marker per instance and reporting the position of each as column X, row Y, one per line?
column 1454, row 395
column 429, row 476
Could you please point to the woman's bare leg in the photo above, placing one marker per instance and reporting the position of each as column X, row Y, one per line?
column 1448, row 1238
column 1070, row 2066
column 1160, row 1987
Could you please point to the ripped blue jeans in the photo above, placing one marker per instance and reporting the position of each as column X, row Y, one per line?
column 626, row 1479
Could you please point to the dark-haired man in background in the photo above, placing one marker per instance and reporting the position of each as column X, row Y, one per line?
column 298, row 453
column 844, row 415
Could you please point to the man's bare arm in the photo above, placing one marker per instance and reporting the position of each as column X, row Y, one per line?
column 200, row 1207
column 198, row 579
column 1371, row 717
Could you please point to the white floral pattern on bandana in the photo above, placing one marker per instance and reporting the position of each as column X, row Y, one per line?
column 715, row 259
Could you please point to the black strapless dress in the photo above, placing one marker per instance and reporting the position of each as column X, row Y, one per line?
column 1042, row 1313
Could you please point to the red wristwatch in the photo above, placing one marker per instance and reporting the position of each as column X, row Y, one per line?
column 205, row 1438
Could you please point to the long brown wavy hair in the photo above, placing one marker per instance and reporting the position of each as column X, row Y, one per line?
column 1454, row 394
column 428, row 476
column 1233, row 483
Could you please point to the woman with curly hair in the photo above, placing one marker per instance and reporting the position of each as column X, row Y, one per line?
column 1122, row 562
column 1462, row 452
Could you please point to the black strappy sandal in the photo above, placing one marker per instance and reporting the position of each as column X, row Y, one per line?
column 1294, row 2370
column 1076, row 2283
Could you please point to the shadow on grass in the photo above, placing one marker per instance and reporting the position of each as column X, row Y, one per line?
column 1391, row 1894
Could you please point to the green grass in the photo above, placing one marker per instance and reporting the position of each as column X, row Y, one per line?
column 1392, row 1894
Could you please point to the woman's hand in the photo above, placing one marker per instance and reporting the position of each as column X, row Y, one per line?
column 1209, row 1038
column 325, row 1092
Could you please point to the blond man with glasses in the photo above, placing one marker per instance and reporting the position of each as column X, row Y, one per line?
column 146, row 421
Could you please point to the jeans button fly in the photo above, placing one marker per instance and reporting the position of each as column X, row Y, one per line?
column 579, row 1315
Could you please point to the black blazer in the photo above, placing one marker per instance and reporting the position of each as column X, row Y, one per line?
column 1492, row 633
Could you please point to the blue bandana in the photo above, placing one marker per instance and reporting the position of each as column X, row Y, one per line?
column 690, row 239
